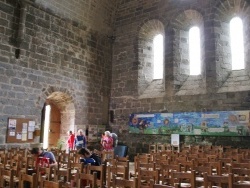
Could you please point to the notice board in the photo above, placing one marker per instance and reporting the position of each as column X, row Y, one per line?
column 20, row 130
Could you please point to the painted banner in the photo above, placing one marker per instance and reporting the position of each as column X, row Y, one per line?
column 226, row 123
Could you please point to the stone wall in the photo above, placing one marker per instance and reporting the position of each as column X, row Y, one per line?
column 91, row 50
column 52, row 46
column 217, row 88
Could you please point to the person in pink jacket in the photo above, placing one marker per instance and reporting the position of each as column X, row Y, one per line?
column 71, row 141
column 107, row 141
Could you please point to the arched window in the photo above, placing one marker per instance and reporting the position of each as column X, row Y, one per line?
column 158, row 56
column 237, row 44
column 150, row 59
column 194, row 51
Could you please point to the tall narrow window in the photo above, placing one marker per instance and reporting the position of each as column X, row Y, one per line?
column 158, row 56
column 46, row 127
column 237, row 44
column 194, row 51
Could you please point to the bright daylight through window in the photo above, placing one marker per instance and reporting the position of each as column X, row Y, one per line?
column 46, row 127
column 194, row 51
column 158, row 56
column 237, row 44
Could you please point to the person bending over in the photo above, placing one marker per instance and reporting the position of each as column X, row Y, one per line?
column 39, row 153
column 42, row 159
column 88, row 157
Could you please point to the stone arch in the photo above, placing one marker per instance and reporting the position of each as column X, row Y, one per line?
column 183, row 83
column 60, row 93
column 146, row 34
column 63, row 99
column 224, row 12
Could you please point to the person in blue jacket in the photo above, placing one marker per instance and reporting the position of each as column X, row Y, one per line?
column 88, row 157
column 80, row 140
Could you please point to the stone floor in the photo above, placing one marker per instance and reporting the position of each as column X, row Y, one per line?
column 131, row 167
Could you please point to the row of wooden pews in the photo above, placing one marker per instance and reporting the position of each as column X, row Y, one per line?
column 194, row 166
column 16, row 165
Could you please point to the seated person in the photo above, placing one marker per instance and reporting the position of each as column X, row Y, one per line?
column 88, row 157
column 40, row 153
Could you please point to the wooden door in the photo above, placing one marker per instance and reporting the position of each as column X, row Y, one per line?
column 54, row 127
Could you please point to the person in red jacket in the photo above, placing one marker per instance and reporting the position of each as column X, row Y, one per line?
column 71, row 141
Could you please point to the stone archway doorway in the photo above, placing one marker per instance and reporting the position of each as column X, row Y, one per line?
column 58, row 116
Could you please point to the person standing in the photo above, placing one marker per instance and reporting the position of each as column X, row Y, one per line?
column 80, row 140
column 107, row 142
column 115, row 139
column 102, row 140
column 71, row 141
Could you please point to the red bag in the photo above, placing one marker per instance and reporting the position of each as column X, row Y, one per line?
column 42, row 162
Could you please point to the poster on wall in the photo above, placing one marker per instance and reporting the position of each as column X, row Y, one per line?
column 225, row 123
column 12, row 124
column 175, row 139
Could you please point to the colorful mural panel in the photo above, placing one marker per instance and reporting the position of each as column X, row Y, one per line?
column 226, row 123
